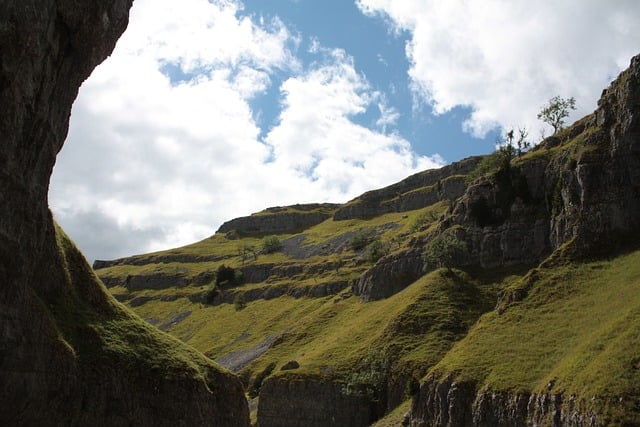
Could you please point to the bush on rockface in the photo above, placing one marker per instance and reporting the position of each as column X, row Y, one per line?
column 376, row 250
column 271, row 244
column 443, row 251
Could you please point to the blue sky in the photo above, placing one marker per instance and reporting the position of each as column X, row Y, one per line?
column 378, row 53
column 213, row 109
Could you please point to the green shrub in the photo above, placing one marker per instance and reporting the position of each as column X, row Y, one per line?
column 488, row 165
column 376, row 250
column 361, row 240
column 370, row 379
column 211, row 293
column 443, row 251
column 227, row 277
column 239, row 302
column 271, row 244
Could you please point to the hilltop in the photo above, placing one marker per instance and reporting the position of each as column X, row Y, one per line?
column 536, row 321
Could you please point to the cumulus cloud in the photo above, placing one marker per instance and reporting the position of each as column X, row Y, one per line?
column 505, row 59
column 163, row 145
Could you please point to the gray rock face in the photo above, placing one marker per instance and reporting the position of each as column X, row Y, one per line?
column 153, row 259
column 280, row 220
column 390, row 275
column 588, row 195
column 291, row 401
column 48, row 377
column 417, row 191
column 447, row 403
column 602, row 190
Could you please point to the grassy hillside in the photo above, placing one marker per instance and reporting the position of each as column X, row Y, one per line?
column 557, row 328
column 113, row 349
column 577, row 333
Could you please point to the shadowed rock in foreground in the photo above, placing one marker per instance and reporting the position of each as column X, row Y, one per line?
column 69, row 353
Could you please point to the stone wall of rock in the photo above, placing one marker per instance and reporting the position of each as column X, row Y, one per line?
column 154, row 259
column 268, row 292
column 445, row 402
column 296, row 401
column 600, row 197
column 390, row 275
column 48, row 373
column 280, row 220
column 417, row 191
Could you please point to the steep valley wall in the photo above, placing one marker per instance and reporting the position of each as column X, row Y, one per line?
column 69, row 354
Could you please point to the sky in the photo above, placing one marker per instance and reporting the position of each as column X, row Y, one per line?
column 208, row 110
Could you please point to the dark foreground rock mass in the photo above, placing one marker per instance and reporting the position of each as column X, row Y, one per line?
column 69, row 353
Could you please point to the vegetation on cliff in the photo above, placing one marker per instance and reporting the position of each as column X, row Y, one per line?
column 538, row 297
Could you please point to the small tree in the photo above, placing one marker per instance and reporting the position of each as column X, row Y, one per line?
column 245, row 251
column 443, row 251
column 370, row 377
column 376, row 250
column 556, row 111
column 516, row 145
column 271, row 244
column 225, row 276
column 239, row 302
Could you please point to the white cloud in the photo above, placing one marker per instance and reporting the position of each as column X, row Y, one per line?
column 163, row 146
column 505, row 59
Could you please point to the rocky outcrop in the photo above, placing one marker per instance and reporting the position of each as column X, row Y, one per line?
column 502, row 234
column 299, row 401
column 445, row 402
column 600, row 196
column 154, row 259
column 69, row 353
column 592, row 202
column 585, row 193
column 268, row 292
column 160, row 280
column 417, row 191
column 390, row 275
column 257, row 273
column 280, row 219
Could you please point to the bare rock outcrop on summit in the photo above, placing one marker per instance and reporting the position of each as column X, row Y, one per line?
column 280, row 219
column 69, row 353
column 417, row 191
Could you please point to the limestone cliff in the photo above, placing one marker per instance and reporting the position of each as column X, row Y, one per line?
column 318, row 402
column 579, row 187
column 417, row 191
column 593, row 202
column 70, row 354
column 280, row 219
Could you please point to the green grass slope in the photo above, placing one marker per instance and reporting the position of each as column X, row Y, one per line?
column 577, row 333
column 116, row 350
